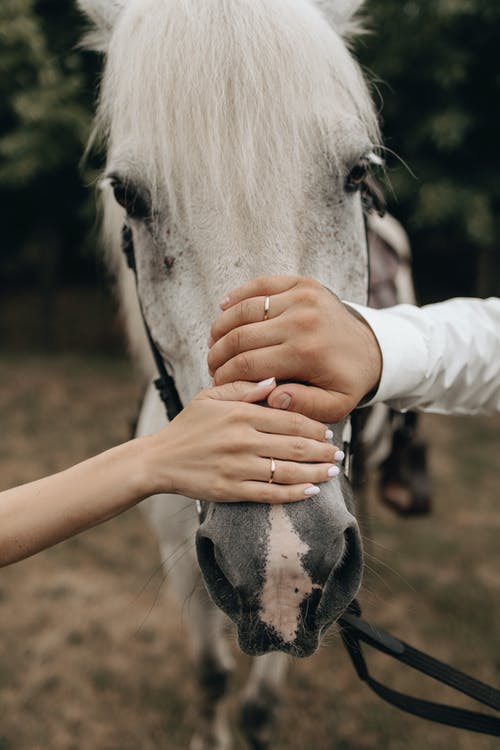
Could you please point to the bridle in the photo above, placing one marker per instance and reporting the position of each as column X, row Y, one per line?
column 353, row 629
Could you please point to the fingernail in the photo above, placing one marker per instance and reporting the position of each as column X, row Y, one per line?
column 284, row 402
column 339, row 456
column 333, row 471
column 269, row 381
column 224, row 301
column 311, row 491
column 210, row 342
column 328, row 435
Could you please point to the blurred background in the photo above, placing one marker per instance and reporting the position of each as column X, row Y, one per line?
column 92, row 654
column 435, row 73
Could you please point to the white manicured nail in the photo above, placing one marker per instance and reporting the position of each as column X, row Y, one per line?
column 311, row 491
column 224, row 301
column 269, row 381
column 339, row 456
column 328, row 435
column 333, row 471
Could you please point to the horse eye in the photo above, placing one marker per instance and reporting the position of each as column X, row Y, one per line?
column 127, row 195
column 357, row 175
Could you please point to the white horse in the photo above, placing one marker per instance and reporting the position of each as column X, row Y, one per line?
column 236, row 133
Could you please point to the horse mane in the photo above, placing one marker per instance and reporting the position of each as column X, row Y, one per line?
column 229, row 99
column 226, row 100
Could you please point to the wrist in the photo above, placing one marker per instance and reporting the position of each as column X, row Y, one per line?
column 373, row 361
column 368, row 346
column 156, row 465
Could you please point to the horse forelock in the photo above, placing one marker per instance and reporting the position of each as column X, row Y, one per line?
column 232, row 100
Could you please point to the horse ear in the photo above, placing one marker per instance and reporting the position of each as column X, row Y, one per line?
column 103, row 15
column 342, row 14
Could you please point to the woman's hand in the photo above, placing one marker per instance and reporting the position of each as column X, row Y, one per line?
column 219, row 448
column 308, row 336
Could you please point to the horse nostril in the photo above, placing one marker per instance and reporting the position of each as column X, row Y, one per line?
column 218, row 585
column 344, row 580
column 311, row 606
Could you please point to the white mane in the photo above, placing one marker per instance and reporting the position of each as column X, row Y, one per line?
column 229, row 99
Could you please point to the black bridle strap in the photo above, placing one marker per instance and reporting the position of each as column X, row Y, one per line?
column 354, row 630
column 165, row 384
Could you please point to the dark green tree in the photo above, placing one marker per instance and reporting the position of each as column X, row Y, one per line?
column 435, row 65
column 434, row 62
column 46, row 94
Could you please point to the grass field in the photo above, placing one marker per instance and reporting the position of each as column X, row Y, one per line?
column 93, row 652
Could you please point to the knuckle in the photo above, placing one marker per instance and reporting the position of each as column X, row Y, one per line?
column 234, row 340
column 296, row 424
column 262, row 281
column 266, row 494
column 311, row 284
column 211, row 359
column 205, row 393
column 328, row 453
column 307, row 293
column 214, row 329
column 291, row 475
column 288, row 495
column 244, row 311
column 298, row 450
column 308, row 319
column 220, row 490
column 244, row 365
column 235, row 414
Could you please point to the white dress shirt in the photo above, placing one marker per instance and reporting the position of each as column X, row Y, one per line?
column 442, row 358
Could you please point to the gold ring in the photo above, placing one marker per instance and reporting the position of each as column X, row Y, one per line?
column 273, row 469
column 267, row 302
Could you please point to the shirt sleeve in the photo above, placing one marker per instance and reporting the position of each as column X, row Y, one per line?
column 442, row 358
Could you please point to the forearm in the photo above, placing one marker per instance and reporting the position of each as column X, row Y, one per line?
column 223, row 462
column 443, row 358
column 39, row 514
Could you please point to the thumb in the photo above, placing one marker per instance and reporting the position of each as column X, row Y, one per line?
column 242, row 390
column 316, row 403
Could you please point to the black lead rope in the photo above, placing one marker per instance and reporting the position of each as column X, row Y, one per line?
column 353, row 628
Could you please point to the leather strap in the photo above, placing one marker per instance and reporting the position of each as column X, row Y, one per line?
column 354, row 630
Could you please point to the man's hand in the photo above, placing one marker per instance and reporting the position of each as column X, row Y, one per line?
column 309, row 336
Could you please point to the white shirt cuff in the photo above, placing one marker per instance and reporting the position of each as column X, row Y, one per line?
column 404, row 353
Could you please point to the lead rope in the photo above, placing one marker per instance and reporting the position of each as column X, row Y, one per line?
column 354, row 630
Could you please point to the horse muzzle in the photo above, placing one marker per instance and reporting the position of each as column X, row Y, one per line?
column 283, row 574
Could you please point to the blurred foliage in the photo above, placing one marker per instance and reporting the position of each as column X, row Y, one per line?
column 47, row 88
column 433, row 62
column 435, row 65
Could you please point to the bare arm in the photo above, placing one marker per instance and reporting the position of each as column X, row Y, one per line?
column 228, row 460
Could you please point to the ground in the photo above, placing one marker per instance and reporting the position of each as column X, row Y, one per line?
column 93, row 651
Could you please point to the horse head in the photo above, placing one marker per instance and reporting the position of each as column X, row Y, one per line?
column 235, row 131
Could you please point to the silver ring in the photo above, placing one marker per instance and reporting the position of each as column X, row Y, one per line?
column 273, row 469
column 267, row 303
